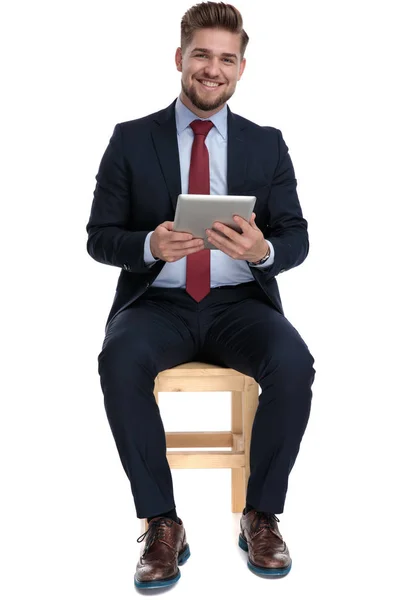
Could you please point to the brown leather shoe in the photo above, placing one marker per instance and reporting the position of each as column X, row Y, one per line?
column 261, row 538
column 165, row 549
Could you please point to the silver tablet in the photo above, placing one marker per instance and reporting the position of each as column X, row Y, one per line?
column 197, row 212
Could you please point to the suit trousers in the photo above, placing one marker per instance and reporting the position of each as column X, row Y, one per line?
column 234, row 326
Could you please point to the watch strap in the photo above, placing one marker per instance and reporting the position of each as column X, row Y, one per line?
column 263, row 259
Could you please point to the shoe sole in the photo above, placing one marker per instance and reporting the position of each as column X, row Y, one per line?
column 264, row 571
column 157, row 583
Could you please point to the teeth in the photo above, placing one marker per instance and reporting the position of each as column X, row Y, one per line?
column 209, row 84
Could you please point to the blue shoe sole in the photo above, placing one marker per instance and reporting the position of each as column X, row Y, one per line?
column 183, row 557
column 265, row 572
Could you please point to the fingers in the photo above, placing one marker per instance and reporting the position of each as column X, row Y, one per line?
column 175, row 236
column 194, row 249
column 246, row 225
column 196, row 243
column 184, row 250
column 168, row 225
column 225, row 230
column 225, row 244
column 179, row 249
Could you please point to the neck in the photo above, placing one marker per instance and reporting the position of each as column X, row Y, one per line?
column 203, row 114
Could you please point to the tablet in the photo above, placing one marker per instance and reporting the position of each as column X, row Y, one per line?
column 197, row 212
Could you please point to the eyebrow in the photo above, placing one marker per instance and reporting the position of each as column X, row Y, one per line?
column 207, row 51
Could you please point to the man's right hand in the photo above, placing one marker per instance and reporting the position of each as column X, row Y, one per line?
column 171, row 245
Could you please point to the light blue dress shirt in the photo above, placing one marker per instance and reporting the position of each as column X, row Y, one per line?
column 224, row 270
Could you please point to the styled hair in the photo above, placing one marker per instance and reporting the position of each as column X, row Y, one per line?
column 212, row 15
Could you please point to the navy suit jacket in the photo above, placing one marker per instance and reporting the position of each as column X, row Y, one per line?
column 138, row 183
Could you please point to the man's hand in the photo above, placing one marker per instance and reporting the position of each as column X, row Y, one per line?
column 172, row 245
column 249, row 245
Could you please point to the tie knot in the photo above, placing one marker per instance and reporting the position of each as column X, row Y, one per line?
column 201, row 127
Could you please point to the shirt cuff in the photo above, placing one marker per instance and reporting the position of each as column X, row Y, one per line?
column 148, row 257
column 270, row 259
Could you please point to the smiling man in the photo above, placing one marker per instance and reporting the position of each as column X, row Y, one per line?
column 234, row 318
column 209, row 72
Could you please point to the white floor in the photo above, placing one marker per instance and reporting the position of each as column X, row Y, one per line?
column 329, row 559
column 69, row 526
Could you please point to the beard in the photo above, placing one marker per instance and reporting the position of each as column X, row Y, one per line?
column 202, row 104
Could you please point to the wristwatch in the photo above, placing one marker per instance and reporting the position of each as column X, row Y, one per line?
column 263, row 259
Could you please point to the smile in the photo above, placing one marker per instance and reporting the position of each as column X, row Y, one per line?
column 209, row 85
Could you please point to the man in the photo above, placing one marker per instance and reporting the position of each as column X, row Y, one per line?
column 177, row 301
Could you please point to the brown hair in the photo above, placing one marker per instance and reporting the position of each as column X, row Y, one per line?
column 212, row 15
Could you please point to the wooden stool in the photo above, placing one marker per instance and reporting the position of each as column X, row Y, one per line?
column 203, row 377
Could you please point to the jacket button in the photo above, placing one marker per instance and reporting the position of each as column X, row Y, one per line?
column 126, row 267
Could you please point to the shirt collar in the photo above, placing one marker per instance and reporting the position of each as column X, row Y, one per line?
column 184, row 117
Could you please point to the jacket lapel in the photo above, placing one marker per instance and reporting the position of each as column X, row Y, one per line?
column 166, row 146
column 237, row 155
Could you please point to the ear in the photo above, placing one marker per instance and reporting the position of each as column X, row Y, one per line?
column 241, row 68
column 178, row 59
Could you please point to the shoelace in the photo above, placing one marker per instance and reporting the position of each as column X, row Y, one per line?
column 155, row 532
column 264, row 520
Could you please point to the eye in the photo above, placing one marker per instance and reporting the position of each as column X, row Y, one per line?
column 200, row 55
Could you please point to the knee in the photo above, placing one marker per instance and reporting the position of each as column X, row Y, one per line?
column 123, row 358
column 302, row 355
column 292, row 364
column 300, row 361
column 306, row 364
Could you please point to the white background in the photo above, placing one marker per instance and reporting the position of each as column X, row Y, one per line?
column 325, row 74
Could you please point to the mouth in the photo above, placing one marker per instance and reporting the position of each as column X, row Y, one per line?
column 209, row 88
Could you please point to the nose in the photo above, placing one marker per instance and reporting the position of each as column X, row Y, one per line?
column 212, row 67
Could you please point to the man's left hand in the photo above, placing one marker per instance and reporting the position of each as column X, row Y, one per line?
column 249, row 245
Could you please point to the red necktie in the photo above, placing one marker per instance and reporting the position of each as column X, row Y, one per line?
column 198, row 263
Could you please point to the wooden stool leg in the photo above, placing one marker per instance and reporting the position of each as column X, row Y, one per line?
column 250, row 405
column 156, row 389
column 238, row 484
column 143, row 525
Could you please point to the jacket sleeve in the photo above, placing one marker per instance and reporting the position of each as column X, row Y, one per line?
column 109, row 239
column 287, row 229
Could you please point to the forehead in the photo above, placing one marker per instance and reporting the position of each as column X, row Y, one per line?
column 217, row 41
